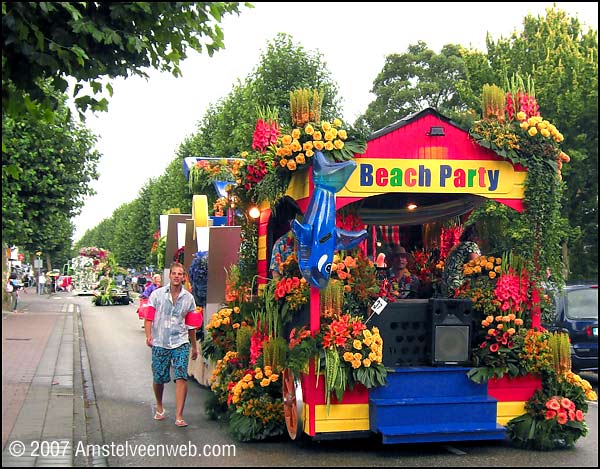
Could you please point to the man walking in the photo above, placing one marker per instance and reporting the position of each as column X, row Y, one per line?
column 170, row 338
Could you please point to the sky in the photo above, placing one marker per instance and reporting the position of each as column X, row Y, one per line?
column 147, row 120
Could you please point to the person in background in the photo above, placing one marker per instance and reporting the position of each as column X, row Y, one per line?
column 283, row 247
column 466, row 250
column 13, row 287
column 402, row 283
column 170, row 338
column 41, row 283
column 156, row 283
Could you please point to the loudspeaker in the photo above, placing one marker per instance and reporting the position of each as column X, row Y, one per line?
column 452, row 322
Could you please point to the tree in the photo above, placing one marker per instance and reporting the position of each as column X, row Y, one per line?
column 46, row 171
column 415, row 80
column 88, row 40
column 563, row 61
column 226, row 128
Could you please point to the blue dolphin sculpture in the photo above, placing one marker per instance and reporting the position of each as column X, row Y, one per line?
column 317, row 236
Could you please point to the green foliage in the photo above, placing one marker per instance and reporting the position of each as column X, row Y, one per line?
column 274, row 352
column 46, row 169
column 244, row 334
column 562, row 58
column 540, row 428
column 250, row 428
column 414, row 80
column 89, row 40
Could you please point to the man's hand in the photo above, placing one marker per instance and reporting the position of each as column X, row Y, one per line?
column 149, row 341
column 194, row 353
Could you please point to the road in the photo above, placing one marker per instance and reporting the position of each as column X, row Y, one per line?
column 119, row 365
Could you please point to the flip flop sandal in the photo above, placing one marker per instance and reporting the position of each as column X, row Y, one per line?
column 159, row 415
column 181, row 423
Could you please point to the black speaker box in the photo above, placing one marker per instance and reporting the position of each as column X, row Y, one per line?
column 452, row 325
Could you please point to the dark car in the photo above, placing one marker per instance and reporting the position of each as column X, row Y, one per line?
column 577, row 313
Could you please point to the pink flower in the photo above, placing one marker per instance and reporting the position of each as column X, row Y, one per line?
column 553, row 404
column 494, row 348
column 579, row 415
column 566, row 403
column 550, row 414
column 562, row 418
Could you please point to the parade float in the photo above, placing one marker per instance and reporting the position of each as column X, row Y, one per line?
column 326, row 351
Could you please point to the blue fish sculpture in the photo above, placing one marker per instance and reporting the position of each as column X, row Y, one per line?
column 318, row 236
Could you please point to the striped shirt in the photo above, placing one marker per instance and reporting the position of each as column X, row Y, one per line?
column 168, row 328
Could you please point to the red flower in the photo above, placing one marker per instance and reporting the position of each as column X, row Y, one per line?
column 494, row 348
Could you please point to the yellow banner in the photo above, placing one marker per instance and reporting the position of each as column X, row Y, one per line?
column 493, row 179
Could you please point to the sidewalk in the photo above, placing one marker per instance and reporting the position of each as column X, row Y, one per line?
column 42, row 384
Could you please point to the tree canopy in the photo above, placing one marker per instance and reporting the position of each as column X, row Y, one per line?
column 46, row 171
column 89, row 40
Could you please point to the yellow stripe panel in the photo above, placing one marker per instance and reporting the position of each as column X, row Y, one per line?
column 298, row 188
column 341, row 418
column 509, row 410
column 262, row 247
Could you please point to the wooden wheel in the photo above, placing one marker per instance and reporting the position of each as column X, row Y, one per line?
column 292, row 404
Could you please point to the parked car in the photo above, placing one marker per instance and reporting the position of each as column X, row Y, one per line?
column 577, row 313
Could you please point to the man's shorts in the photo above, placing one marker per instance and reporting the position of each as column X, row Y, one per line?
column 163, row 358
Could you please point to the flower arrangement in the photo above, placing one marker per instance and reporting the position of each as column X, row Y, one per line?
column 351, row 354
column 94, row 252
column 481, row 276
column 515, row 129
column 296, row 147
column 358, row 277
column 551, row 423
column 221, row 332
column 293, row 292
column 257, row 405
column 204, row 172
column 503, row 298
column 555, row 415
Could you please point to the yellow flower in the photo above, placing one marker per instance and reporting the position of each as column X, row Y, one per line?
column 348, row 356
column 325, row 125
column 265, row 382
column 291, row 165
column 286, row 139
column 309, row 129
column 518, row 322
column 357, row 344
column 342, row 134
column 296, row 134
column 338, row 144
column 521, row 116
column 532, row 131
column 328, row 146
column 337, row 122
column 366, row 362
column 307, row 146
column 492, row 274
column 309, row 153
column 319, row 145
column 524, row 125
column 300, row 158
column 317, row 135
column 283, row 162
column 244, row 154
column 274, row 377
